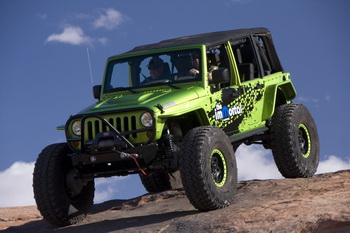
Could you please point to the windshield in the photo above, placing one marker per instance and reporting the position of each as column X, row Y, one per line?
column 153, row 69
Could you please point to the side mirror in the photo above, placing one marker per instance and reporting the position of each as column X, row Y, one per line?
column 221, row 75
column 97, row 91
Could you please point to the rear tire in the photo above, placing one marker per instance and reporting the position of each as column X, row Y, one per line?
column 55, row 201
column 161, row 181
column 294, row 142
column 208, row 168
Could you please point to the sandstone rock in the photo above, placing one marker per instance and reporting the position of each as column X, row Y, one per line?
column 317, row 204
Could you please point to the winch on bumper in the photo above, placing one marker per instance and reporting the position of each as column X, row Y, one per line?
column 144, row 153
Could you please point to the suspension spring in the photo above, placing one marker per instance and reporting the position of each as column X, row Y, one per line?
column 169, row 146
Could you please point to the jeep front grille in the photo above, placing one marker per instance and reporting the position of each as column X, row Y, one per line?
column 123, row 124
column 128, row 124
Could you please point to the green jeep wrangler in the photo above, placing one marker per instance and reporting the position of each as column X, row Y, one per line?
column 174, row 112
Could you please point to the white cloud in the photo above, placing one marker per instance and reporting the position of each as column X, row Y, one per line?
column 70, row 35
column 254, row 162
column 327, row 97
column 332, row 164
column 74, row 35
column 16, row 185
column 307, row 99
column 42, row 16
column 106, row 188
column 110, row 20
column 82, row 16
column 103, row 40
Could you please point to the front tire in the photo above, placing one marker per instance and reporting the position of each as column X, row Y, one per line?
column 295, row 144
column 208, row 168
column 56, row 202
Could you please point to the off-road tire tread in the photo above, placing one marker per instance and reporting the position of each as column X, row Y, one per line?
column 156, row 182
column 283, row 145
column 191, row 167
column 46, row 168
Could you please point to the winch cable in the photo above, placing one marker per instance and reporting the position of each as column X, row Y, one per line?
column 138, row 165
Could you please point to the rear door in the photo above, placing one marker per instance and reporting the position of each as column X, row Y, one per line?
column 239, row 106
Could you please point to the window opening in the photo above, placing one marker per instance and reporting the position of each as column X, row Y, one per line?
column 217, row 58
column 263, row 55
column 247, row 63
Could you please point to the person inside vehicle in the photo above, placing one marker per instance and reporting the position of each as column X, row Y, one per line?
column 212, row 63
column 157, row 70
column 195, row 68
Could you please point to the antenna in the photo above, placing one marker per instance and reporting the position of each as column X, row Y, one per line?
column 88, row 55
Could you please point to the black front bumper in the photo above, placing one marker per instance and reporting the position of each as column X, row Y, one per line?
column 144, row 154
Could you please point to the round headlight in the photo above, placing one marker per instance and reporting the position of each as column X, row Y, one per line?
column 76, row 128
column 146, row 119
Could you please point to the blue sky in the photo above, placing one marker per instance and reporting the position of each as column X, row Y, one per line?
column 45, row 75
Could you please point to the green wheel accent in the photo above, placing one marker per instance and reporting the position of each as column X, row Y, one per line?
column 304, row 141
column 218, row 168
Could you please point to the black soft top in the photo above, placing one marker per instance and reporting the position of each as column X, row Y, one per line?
column 208, row 39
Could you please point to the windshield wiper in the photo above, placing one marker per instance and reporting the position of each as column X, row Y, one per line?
column 122, row 89
column 173, row 86
column 161, row 82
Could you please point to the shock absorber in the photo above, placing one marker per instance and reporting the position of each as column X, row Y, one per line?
column 168, row 145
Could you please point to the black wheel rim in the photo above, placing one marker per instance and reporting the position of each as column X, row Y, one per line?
column 304, row 141
column 218, row 168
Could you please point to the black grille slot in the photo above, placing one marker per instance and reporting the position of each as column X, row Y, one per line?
column 133, row 125
column 126, row 126
column 89, row 129
column 97, row 126
column 111, row 121
column 119, row 124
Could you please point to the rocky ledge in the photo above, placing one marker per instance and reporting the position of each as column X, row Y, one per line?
column 317, row 204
